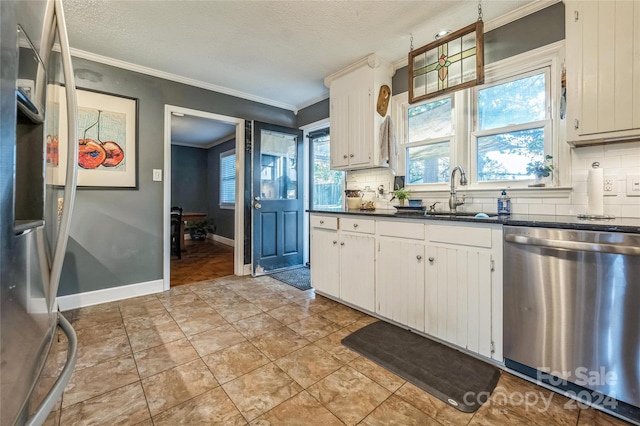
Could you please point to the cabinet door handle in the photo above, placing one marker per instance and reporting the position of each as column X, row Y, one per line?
column 431, row 259
column 342, row 243
column 344, row 156
column 355, row 225
column 335, row 242
column 322, row 222
column 419, row 257
column 351, row 155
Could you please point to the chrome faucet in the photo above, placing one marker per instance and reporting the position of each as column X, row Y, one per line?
column 453, row 198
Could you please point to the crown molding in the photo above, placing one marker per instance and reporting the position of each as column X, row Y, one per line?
column 178, row 79
column 208, row 144
column 313, row 101
column 372, row 61
column 507, row 18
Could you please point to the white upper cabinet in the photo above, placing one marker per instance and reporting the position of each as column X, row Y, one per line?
column 355, row 123
column 603, row 70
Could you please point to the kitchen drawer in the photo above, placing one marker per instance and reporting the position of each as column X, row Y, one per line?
column 462, row 235
column 325, row 222
column 357, row 225
column 414, row 231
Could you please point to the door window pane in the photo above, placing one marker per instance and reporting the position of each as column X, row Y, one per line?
column 327, row 184
column 514, row 102
column 428, row 163
column 505, row 156
column 278, row 165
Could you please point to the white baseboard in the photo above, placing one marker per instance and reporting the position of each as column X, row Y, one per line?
column 224, row 240
column 112, row 294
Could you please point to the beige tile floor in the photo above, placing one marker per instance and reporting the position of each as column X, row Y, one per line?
column 255, row 351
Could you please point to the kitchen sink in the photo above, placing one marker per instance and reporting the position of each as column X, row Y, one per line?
column 459, row 214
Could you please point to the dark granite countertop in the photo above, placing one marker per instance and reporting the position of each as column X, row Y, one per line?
column 629, row 225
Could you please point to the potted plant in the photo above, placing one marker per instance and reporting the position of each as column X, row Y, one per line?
column 540, row 169
column 198, row 230
column 401, row 194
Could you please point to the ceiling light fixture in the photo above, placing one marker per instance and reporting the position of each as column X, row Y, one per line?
column 177, row 114
column 441, row 34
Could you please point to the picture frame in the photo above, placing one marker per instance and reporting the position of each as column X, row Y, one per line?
column 450, row 63
column 107, row 138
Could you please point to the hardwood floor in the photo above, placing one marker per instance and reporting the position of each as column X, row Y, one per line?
column 201, row 261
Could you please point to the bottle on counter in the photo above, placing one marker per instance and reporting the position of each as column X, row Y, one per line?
column 504, row 204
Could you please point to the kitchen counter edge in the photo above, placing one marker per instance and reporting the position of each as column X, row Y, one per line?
column 627, row 225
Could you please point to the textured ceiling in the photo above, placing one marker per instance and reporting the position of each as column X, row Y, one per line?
column 199, row 132
column 279, row 51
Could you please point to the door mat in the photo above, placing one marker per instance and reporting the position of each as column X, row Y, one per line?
column 450, row 375
column 299, row 278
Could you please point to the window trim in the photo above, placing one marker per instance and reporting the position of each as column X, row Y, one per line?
column 221, row 204
column 551, row 55
column 451, row 138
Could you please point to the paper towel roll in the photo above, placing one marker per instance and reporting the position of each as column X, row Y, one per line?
column 595, row 192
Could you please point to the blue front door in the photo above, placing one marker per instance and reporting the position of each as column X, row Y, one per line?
column 277, row 209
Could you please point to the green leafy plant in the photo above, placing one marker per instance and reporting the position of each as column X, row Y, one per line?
column 402, row 194
column 540, row 168
column 207, row 225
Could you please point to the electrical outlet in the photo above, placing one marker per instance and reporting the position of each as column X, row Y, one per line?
column 633, row 186
column 609, row 185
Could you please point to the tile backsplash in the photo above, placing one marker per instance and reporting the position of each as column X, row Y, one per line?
column 618, row 161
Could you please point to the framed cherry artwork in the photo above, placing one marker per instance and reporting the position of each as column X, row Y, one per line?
column 107, row 139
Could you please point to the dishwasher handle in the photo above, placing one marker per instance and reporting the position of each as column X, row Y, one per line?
column 574, row 245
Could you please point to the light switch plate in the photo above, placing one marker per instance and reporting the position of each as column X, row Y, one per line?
column 633, row 185
column 157, row 175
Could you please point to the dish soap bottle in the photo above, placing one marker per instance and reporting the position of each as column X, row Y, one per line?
column 504, row 204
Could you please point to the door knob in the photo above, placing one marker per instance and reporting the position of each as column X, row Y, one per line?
column 257, row 206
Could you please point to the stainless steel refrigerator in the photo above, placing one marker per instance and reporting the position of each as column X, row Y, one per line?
column 37, row 122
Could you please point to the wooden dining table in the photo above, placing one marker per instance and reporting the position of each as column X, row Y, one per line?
column 189, row 216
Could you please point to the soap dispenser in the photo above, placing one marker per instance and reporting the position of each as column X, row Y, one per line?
column 504, row 204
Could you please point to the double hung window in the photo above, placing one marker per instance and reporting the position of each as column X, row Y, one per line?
column 228, row 179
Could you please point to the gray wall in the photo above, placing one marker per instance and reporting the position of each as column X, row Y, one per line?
column 223, row 218
column 313, row 113
column 189, row 179
column 538, row 29
column 117, row 235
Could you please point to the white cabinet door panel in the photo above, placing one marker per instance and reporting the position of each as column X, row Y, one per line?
column 357, row 270
column 325, row 261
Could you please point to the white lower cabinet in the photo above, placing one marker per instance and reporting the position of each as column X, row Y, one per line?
column 458, row 297
column 400, row 281
column 440, row 278
column 357, row 269
column 324, row 258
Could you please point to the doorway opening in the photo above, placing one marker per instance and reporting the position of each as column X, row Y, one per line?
column 204, row 176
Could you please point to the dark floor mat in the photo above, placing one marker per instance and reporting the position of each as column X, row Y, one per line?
column 446, row 373
column 299, row 278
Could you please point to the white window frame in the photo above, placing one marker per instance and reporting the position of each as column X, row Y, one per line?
column 455, row 100
column 498, row 76
column 227, row 205
column 463, row 154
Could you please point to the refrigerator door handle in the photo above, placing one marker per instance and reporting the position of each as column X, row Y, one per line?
column 50, row 400
column 72, row 157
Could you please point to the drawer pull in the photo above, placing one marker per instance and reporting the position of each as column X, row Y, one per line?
column 342, row 243
column 322, row 222
column 355, row 225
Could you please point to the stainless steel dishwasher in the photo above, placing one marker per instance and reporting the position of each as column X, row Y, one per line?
column 572, row 308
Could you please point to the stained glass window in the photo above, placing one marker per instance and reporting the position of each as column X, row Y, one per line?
column 450, row 63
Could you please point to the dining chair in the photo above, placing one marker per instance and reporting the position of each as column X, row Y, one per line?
column 176, row 226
